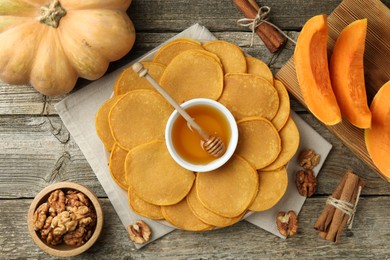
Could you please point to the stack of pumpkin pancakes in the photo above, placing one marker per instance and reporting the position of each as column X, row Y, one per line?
column 132, row 123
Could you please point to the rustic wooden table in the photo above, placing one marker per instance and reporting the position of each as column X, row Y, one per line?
column 36, row 150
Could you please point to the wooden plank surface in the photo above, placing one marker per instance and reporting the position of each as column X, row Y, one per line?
column 36, row 150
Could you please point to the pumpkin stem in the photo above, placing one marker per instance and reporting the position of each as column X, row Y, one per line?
column 52, row 13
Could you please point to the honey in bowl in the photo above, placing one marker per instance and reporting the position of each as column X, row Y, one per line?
column 187, row 142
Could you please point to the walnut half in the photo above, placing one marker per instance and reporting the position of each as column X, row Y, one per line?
column 287, row 223
column 40, row 216
column 139, row 232
column 306, row 182
column 308, row 159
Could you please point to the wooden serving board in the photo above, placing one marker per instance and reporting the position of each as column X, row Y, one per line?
column 376, row 63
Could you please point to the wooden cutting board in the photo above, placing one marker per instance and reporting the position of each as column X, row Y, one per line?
column 376, row 63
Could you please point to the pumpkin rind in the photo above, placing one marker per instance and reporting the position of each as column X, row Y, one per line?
column 347, row 74
column 311, row 65
column 377, row 137
column 90, row 35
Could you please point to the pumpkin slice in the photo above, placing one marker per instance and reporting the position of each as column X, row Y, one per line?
column 290, row 143
column 229, row 190
column 284, row 106
column 347, row 74
column 259, row 141
column 377, row 137
column 142, row 207
column 155, row 177
column 232, row 57
column 129, row 80
column 205, row 214
column 117, row 166
column 170, row 50
column 247, row 95
column 259, row 68
column 193, row 75
column 102, row 123
column 138, row 117
column 181, row 216
column 272, row 187
column 311, row 65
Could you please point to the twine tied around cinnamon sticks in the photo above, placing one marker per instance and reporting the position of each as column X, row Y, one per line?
column 261, row 17
column 346, row 207
column 271, row 37
column 340, row 208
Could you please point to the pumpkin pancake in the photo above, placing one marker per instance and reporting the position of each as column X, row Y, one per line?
column 193, row 75
column 117, row 166
column 247, row 95
column 290, row 142
column 284, row 106
column 230, row 189
column 232, row 57
column 272, row 186
column 259, row 68
column 210, row 54
column 138, row 117
column 129, row 80
column 170, row 50
column 181, row 216
column 102, row 124
column 259, row 142
column 155, row 177
column 142, row 207
column 206, row 215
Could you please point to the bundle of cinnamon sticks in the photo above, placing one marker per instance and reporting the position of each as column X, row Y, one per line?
column 271, row 37
column 334, row 218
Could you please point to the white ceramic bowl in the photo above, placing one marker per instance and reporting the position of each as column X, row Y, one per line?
column 218, row 162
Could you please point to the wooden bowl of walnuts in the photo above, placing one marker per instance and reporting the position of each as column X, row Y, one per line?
column 65, row 219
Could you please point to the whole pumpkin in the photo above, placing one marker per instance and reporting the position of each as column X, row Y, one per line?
column 50, row 43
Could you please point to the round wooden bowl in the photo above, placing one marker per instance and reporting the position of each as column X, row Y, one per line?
column 64, row 250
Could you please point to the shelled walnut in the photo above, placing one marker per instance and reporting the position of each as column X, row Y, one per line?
column 308, row 159
column 139, row 232
column 56, row 202
column 40, row 216
column 287, row 223
column 306, row 182
column 66, row 217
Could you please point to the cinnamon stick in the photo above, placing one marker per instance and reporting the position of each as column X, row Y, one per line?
column 271, row 37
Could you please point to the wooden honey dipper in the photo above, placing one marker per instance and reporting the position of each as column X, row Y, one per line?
column 212, row 144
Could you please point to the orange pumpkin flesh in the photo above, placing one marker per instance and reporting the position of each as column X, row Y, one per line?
column 377, row 137
column 311, row 65
column 49, row 44
column 347, row 74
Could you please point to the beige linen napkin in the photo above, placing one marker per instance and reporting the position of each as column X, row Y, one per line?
column 78, row 110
